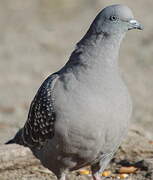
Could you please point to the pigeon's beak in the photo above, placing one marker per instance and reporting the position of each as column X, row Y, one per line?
column 134, row 24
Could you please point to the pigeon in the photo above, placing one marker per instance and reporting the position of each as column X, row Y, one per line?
column 81, row 113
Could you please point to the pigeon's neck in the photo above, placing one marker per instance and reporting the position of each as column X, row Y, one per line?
column 97, row 52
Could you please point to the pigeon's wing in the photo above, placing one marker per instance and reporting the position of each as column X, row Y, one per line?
column 41, row 118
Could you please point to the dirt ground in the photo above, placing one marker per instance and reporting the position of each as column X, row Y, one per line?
column 136, row 151
column 36, row 38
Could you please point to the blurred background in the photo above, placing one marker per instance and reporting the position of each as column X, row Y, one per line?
column 36, row 39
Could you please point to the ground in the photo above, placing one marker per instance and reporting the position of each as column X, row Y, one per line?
column 36, row 38
column 136, row 151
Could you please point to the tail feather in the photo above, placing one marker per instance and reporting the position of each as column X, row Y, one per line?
column 17, row 139
column 12, row 141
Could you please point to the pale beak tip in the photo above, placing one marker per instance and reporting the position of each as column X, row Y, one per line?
column 136, row 25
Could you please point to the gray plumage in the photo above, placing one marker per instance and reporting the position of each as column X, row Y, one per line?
column 81, row 113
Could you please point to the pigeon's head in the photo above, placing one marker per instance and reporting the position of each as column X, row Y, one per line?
column 115, row 19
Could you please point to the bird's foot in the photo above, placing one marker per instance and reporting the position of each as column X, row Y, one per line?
column 63, row 177
column 99, row 178
column 96, row 177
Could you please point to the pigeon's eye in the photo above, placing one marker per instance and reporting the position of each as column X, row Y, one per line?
column 113, row 18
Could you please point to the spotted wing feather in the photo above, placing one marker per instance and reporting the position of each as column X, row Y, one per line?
column 41, row 118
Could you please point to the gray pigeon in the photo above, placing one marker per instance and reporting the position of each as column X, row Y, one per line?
column 81, row 113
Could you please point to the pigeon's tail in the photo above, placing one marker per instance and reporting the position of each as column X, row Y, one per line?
column 12, row 141
column 17, row 139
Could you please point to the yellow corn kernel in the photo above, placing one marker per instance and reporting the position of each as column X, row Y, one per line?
column 84, row 172
column 123, row 176
column 127, row 170
column 106, row 173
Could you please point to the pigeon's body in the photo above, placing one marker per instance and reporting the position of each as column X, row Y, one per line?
column 102, row 95
column 81, row 113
